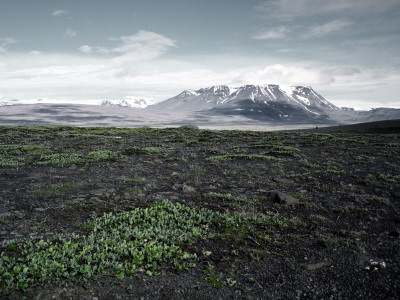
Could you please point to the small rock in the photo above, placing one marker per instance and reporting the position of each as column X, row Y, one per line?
column 188, row 189
column 159, row 197
column 314, row 267
column 177, row 187
column 98, row 192
column 282, row 198
column 281, row 180
column 375, row 264
column 174, row 174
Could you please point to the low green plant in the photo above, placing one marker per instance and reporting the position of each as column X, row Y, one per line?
column 230, row 282
column 15, row 155
column 10, row 162
column 121, row 244
column 211, row 276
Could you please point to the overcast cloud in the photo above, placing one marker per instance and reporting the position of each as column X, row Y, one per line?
column 68, row 51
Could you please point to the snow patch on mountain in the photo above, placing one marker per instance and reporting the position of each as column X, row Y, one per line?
column 303, row 99
column 135, row 102
column 287, row 89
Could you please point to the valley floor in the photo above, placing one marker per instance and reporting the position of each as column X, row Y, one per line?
column 190, row 214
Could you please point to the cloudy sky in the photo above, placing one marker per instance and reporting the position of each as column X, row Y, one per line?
column 78, row 50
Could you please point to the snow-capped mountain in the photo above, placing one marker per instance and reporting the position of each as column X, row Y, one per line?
column 293, row 103
column 211, row 97
column 135, row 102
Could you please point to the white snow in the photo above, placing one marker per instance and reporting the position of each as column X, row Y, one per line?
column 287, row 89
column 303, row 99
column 264, row 92
column 189, row 93
column 270, row 92
column 232, row 90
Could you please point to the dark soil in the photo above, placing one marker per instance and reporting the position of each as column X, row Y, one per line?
column 343, row 241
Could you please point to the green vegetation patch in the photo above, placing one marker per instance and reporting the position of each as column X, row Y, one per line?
column 54, row 189
column 12, row 155
column 119, row 244
column 67, row 159
column 278, row 149
column 10, row 162
column 229, row 157
column 145, row 150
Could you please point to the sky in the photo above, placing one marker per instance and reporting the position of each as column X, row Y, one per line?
column 84, row 50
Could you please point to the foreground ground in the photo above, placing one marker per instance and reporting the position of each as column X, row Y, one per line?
column 229, row 239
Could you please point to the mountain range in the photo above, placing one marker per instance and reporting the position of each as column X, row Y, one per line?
column 268, row 103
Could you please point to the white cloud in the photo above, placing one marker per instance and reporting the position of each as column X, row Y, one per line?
column 327, row 28
column 286, row 50
column 144, row 45
column 5, row 42
column 304, row 8
column 143, row 40
column 284, row 74
column 35, row 52
column 86, row 49
column 273, row 33
column 60, row 12
column 69, row 33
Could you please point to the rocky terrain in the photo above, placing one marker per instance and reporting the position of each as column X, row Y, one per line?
column 183, row 213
